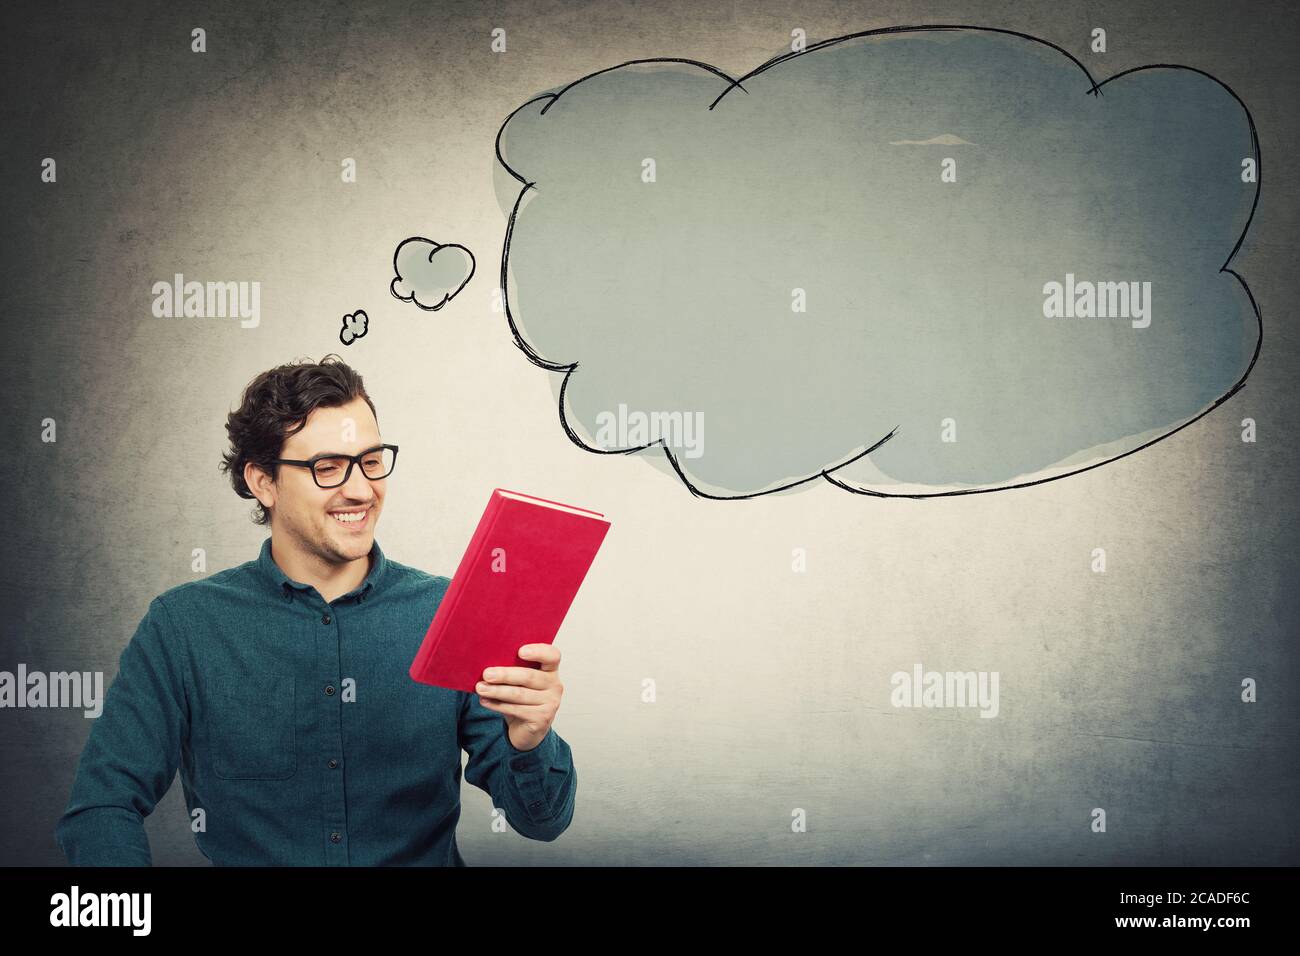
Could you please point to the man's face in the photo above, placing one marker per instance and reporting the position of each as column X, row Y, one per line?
column 305, row 513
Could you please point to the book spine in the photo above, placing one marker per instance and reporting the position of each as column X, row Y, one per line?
column 444, row 613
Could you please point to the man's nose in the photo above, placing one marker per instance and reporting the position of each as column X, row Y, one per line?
column 358, row 485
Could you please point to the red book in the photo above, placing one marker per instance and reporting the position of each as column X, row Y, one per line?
column 514, row 586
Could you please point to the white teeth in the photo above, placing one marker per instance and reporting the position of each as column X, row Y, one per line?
column 351, row 518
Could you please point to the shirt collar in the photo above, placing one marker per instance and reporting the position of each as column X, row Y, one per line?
column 285, row 585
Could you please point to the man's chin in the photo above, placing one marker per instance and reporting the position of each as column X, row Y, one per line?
column 356, row 548
column 351, row 547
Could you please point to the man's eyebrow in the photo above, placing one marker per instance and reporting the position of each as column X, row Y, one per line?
column 343, row 454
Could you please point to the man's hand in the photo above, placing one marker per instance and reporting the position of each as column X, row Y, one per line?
column 527, row 698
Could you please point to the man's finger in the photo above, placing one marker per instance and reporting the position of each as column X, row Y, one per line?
column 548, row 654
column 523, row 676
column 510, row 693
column 523, row 711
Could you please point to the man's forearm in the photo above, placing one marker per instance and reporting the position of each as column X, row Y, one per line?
column 103, row 836
column 131, row 753
column 545, row 783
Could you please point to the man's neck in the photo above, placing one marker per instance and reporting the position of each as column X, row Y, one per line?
column 330, row 580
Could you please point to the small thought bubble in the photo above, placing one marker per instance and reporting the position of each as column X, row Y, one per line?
column 355, row 325
column 429, row 273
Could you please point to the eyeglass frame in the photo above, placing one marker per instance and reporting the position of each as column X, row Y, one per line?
column 310, row 464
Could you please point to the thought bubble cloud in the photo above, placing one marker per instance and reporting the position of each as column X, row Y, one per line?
column 430, row 273
column 912, row 263
column 355, row 325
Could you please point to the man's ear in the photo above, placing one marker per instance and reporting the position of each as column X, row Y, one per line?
column 260, row 484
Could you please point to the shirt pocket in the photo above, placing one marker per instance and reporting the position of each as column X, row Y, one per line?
column 253, row 732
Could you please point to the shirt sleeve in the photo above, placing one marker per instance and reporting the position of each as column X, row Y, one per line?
column 534, row 788
column 132, row 753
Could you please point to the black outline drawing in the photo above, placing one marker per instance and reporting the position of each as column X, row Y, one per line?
column 1094, row 89
column 347, row 330
column 436, row 246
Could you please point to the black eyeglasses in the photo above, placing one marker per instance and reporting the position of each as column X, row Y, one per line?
column 330, row 471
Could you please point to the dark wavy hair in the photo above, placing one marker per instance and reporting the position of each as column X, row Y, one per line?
column 275, row 406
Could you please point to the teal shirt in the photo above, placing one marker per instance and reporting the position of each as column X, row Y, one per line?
column 244, row 681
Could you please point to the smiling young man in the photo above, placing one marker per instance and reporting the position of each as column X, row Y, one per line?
column 280, row 687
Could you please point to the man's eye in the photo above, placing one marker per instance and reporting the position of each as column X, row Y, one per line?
column 326, row 467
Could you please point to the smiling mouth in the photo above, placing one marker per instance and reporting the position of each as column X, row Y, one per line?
column 352, row 520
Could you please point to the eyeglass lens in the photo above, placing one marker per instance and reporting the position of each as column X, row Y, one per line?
column 333, row 471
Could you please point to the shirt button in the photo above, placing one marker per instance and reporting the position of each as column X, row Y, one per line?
column 334, row 764
column 336, row 838
column 325, row 619
column 329, row 690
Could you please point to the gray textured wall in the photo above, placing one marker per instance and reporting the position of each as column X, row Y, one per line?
column 1118, row 690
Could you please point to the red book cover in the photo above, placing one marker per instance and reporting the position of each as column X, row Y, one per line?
column 514, row 586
